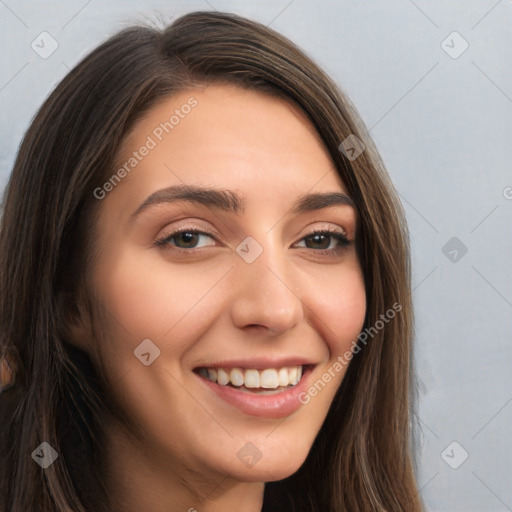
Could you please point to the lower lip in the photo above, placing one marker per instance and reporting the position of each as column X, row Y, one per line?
column 278, row 405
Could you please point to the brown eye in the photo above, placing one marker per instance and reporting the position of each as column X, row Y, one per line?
column 187, row 239
column 318, row 241
column 325, row 241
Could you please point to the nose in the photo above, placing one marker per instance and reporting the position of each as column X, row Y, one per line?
column 264, row 294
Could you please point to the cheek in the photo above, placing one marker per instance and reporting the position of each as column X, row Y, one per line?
column 338, row 307
column 337, row 311
column 155, row 299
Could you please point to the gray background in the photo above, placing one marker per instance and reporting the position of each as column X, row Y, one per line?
column 444, row 128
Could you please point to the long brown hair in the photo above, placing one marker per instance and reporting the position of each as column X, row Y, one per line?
column 361, row 459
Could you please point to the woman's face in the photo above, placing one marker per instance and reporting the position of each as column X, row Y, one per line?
column 257, row 286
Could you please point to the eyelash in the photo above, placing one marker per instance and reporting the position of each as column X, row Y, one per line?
column 342, row 240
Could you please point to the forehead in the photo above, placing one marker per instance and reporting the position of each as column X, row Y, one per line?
column 261, row 145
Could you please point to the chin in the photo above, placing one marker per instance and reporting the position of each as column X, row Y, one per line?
column 277, row 467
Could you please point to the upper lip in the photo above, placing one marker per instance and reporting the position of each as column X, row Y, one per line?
column 259, row 363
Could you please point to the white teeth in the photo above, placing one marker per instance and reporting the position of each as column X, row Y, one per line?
column 237, row 377
column 283, row 377
column 252, row 379
column 222, row 377
column 269, row 378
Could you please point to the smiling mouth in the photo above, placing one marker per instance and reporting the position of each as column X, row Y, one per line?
column 250, row 380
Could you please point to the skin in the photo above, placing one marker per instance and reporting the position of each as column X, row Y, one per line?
column 180, row 453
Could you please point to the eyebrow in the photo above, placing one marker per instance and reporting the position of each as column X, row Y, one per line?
column 228, row 200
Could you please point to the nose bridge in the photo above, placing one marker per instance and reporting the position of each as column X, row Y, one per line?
column 264, row 292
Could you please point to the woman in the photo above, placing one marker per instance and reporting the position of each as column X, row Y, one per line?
column 205, row 287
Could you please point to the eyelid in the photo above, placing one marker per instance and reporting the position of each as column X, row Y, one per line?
column 164, row 239
column 324, row 227
column 338, row 233
column 202, row 230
